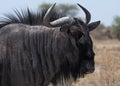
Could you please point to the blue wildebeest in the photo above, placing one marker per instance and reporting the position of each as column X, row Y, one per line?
column 39, row 48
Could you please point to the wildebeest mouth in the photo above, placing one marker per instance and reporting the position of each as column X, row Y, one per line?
column 82, row 74
column 90, row 71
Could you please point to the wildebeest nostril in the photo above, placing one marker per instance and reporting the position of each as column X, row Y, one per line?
column 90, row 68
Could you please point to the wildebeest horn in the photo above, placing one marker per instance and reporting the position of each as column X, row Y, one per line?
column 87, row 13
column 46, row 19
column 62, row 21
column 58, row 22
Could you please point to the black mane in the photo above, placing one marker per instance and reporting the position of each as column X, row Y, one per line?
column 28, row 17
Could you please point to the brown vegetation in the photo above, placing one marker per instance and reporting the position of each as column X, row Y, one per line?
column 102, row 33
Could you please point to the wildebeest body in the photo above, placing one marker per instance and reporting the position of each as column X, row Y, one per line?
column 39, row 48
column 30, row 55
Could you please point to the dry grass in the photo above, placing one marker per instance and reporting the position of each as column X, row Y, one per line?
column 107, row 60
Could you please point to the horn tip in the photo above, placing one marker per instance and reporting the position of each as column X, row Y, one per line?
column 79, row 4
column 54, row 4
column 99, row 21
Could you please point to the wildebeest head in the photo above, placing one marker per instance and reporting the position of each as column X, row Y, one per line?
column 79, row 30
column 85, row 43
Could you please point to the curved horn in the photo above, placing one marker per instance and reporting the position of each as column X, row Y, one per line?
column 58, row 22
column 62, row 21
column 87, row 13
column 46, row 19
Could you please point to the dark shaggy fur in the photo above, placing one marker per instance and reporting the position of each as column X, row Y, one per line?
column 32, row 54
column 28, row 17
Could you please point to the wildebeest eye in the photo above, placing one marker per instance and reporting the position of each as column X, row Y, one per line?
column 76, row 34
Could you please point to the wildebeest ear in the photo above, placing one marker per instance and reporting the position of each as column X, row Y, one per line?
column 93, row 25
column 65, row 28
